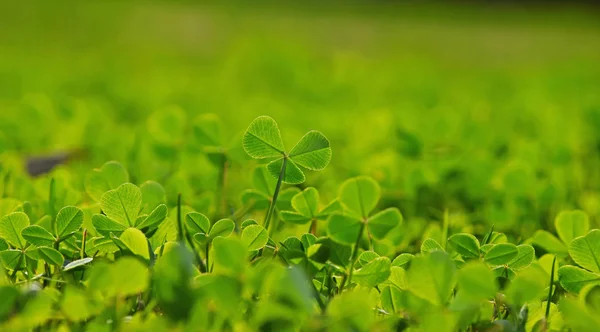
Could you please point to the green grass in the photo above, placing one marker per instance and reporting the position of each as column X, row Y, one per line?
column 468, row 116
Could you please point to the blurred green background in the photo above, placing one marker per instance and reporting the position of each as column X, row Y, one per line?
column 491, row 111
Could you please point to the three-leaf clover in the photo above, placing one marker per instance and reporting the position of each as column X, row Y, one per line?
column 262, row 140
column 585, row 251
column 359, row 196
column 306, row 206
column 122, row 221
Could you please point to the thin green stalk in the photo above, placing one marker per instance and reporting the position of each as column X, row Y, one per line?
column 275, row 194
column 51, row 200
column 548, row 301
column 221, row 181
column 313, row 227
column 183, row 236
column 83, row 240
column 445, row 229
column 207, row 253
column 348, row 277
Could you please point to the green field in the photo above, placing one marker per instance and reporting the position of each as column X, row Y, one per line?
column 465, row 158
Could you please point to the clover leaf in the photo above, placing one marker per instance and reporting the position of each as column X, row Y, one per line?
column 263, row 140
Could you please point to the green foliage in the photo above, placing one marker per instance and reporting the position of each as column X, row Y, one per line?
column 110, row 249
column 263, row 140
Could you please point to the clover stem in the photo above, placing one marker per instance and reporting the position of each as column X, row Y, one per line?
column 275, row 194
column 313, row 227
column 185, row 236
column 548, row 301
column 51, row 199
column 221, row 185
column 207, row 261
column 348, row 277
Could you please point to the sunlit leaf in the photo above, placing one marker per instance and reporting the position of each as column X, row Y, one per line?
column 585, row 250
column 255, row 237
column 38, row 236
column 68, row 220
column 383, row 222
column 465, row 244
column 136, row 242
column 312, row 151
column 343, row 229
column 374, row 272
column 11, row 227
column 360, row 195
column 501, row 254
column 110, row 176
column 122, row 204
column 263, row 139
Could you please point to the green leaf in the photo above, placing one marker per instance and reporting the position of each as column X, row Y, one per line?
column 331, row 208
column 262, row 139
column 51, row 256
column 11, row 226
column 549, row 242
column 255, row 199
column 126, row 276
column 76, row 306
column 292, row 175
column 383, row 222
column 501, row 254
column 167, row 125
column 12, row 259
column 476, row 281
column 136, row 242
column 398, row 277
column 229, row 255
column 197, row 222
column 294, row 217
column 373, row 273
column 9, row 296
column 255, row 237
column 526, row 286
column 68, row 220
column 222, row 228
column 78, row 263
column 578, row 316
column 524, row 258
column 104, row 225
column 38, row 236
column 207, row 131
column 263, row 181
column 430, row 245
column 360, row 195
column 403, row 260
column 155, row 217
column 102, row 245
column 432, row 277
column 465, row 245
column 573, row 278
column 391, row 299
column 248, row 222
column 110, row 176
column 585, row 250
column 122, row 204
column 343, row 229
column 351, row 311
column 200, row 238
column 571, row 224
column 306, row 202
column 365, row 257
column 153, row 194
column 3, row 245
column 312, row 151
